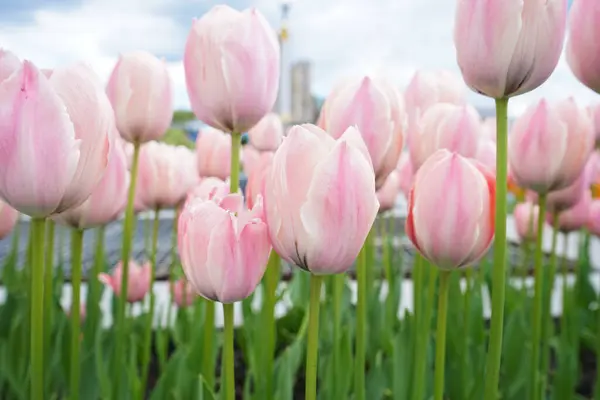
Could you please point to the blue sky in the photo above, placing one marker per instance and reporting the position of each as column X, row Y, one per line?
column 341, row 38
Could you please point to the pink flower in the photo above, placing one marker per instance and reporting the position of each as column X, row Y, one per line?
column 508, row 47
column 138, row 283
column 250, row 157
column 377, row 110
column 446, row 126
column 486, row 153
column 489, row 128
column 108, row 199
column 55, row 138
column 183, row 293
column 213, row 149
column 209, row 187
column 257, row 178
column 576, row 217
column 563, row 199
column 451, row 210
column 140, row 92
column 405, row 173
column 583, row 47
column 549, row 145
column 8, row 219
column 595, row 114
column 526, row 220
column 320, row 199
column 593, row 222
column 388, row 193
column 231, row 64
column 224, row 248
column 267, row 134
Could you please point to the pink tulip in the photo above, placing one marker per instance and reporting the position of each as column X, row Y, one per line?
column 108, row 198
column 8, row 219
column 488, row 127
column 451, row 210
column 56, row 136
column 583, row 47
column 256, row 179
column 166, row 174
column 139, row 280
column 250, row 157
column 213, row 149
column 267, row 134
column 526, row 220
column 183, row 293
column 377, row 110
column 576, row 217
column 209, row 187
column 388, row 193
column 405, row 173
column 593, row 223
column 563, row 199
column 595, row 114
column 140, row 92
column 549, row 145
column 508, row 47
column 592, row 169
column 320, row 199
column 231, row 64
column 224, row 248
column 486, row 153
column 446, row 126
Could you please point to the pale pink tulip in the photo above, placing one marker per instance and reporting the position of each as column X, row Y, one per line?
column 183, row 293
column 256, row 179
column 488, row 127
column 508, row 47
column 267, row 134
column 595, row 114
column 209, row 187
column 526, row 217
column 549, row 145
column 446, row 126
column 140, row 92
column 108, row 198
column 405, row 173
column 486, row 153
column 451, row 210
column 388, row 193
column 9, row 63
column 576, row 217
column 592, row 169
column 231, row 63
column 250, row 157
column 224, row 247
column 8, row 219
column 377, row 110
column 583, row 46
column 213, row 149
column 320, row 199
column 593, row 223
column 55, row 137
column 138, row 283
column 563, row 199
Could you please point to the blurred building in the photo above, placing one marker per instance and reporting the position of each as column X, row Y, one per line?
column 303, row 105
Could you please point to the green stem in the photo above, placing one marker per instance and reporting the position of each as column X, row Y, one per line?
column 271, row 282
column 38, row 233
column 228, row 352
column 150, row 317
column 48, row 289
column 339, row 281
column 76, row 261
column 418, row 358
column 361, row 317
column 310, row 392
column 424, row 328
column 440, row 336
column 387, row 269
column 208, row 359
column 466, row 359
column 499, row 274
column 94, row 303
column 537, row 305
column 119, row 354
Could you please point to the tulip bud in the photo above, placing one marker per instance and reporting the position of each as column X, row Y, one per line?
column 224, row 248
column 583, row 47
column 56, row 137
column 213, row 149
column 451, row 210
column 593, row 222
column 231, row 64
column 549, row 146
column 317, row 188
column 140, row 92
column 256, row 179
column 576, row 217
column 209, row 187
column 183, row 293
column 526, row 220
column 138, row 280
column 508, row 47
column 267, row 134
column 486, row 153
column 405, row 173
column 8, row 219
column 446, row 126
column 388, row 193
column 563, row 199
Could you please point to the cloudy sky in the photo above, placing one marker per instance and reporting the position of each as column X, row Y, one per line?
column 341, row 38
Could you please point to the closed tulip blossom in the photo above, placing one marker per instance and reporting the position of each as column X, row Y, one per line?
column 563, row 199
column 68, row 117
column 595, row 115
column 107, row 200
column 583, row 47
column 405, row 173
column 257, row 177
column 526, row 217
column 267, row 134
column 139, row 89
column 377, row 110
column 576, row 217
column 451, row 210
column 486, row 153
column 138, row 280
column 224, row 247
column 209, row 187
column 593, row 223
column 508, row 47
column 183, row 293
column 231, row 64
column 318, row 188
column 549, row 146
column 388, row 193
column 446, row 126
column 8, row 219
column 213, row 149
column 250, row 157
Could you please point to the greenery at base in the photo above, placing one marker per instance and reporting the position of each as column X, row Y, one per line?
column 176, row 137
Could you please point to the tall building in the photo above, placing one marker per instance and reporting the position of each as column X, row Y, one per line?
column 303, row 108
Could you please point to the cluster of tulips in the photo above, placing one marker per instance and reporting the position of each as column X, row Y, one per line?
column 78, row 154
